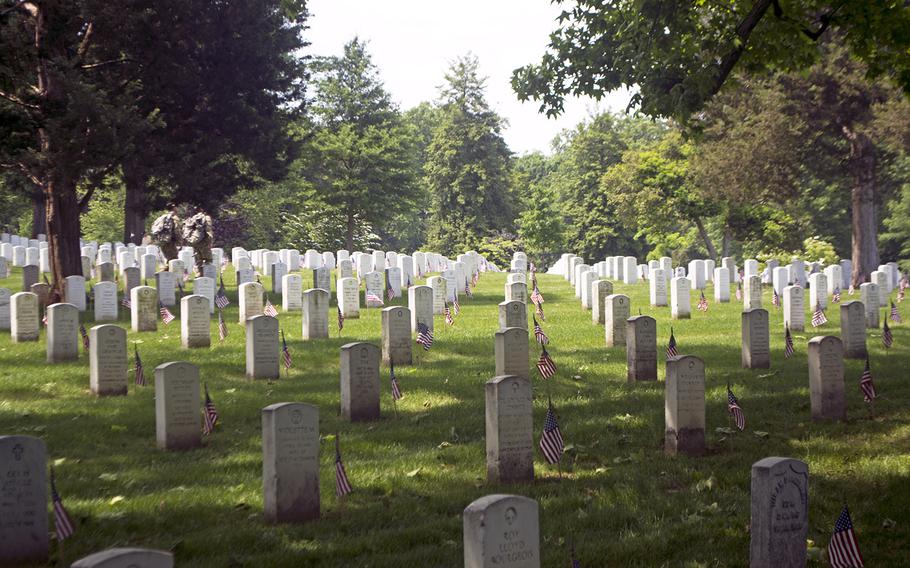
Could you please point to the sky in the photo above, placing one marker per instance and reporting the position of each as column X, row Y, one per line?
column 412, row 43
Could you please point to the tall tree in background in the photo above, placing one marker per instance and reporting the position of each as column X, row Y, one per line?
column 360, row 161
column 468, row 164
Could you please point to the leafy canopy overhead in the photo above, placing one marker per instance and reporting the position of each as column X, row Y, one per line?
column 678, row 54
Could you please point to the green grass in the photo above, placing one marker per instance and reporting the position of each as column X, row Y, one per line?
column 620, row 499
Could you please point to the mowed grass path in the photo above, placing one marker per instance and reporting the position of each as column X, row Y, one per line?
column 619, row 499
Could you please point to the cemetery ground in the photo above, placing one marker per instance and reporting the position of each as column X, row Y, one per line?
column 618, row 498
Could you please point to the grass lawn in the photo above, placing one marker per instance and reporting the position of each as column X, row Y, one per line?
column 620, row 500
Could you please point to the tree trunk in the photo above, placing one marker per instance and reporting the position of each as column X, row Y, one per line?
column 349, row 232
column 39, row 215
column 712, row 252
column 725, row 243
column 865, row 224
column 63, row 231
column 136, row 206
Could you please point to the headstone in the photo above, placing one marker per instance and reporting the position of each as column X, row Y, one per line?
column 680, row 298
column 516, row 277
column 19, row 256
column 393, row 280
column 600, row 289
column 107, row 360
column 364, row 263
column 106, row 305
column 328, row 260
column 826, row 378
column 396, row 335
column 794, row 308
column 629, row 272
column 576, row 279
column 438, row 284
column 752, row 292
column 511, row 352
column 868, row 293
column 30, row 276
column 195, row 322
column 148, row 265
column 130, row 280
column 513, row 314
column 262, row 360
column 685, row 406
column 345, row 268
column 4, row 269
column 5, row 295
column 277, row 272
column 451, row 284
column 322, row 279
column 587, row 279
column 756, row 347
column 798, row 272
column 86, row 267
column 657, row 285
column 62, row 333
column 509, row 430
column 244, row 276
column 360, row 385
column 882, row 281
column 74, row 291
column 517, row 292
column 420, row 303
column 818, row 291
column 780, row 513
column 23, row 507
column 348, row 295
column 780, row 279
column 374, row 288
column 502, row 530
column 166, row 285
column 315, row 313
column 250, row 300
column 24, row 317
column 144, row 309
column 126, row 558
column 853, row 329
column 290, row 462
column 205, row 287
column 697, row 274
column 834, row 278
column 641, row 348
column 291, row 292
column 616, row 311
column 106, row 272
column 721, row 285
column 177, row 407
column 750, row 268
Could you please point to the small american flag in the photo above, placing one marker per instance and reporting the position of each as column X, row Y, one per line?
column 788, row 343
column 456, row 307
column 448, row 314
column 44, row 319
column 285, row 353
column 140, row 370
column 702, row 303
column 843, row 550
column 538, row 311
column 545, row 364
column 389, row 292
column 209, row 413
column 340, row 320
column 166, row 316
column 551, row 442
column 775, row 298
column 222, row 327
column 221, row 299
column 865, row 383
column 836, row 297
column 851, row 290
column 62, row 522
column 735, row 410
column 126, row 302
column 269, row 309
column 84, row 334
column 396, row 390
column 424, row 336
column 672, row 351
column 887, row 336
column 900, row 294
column 467, row 290
column 739, row 291
column 372, row 298
column 342, row 484
column 539, row 335
column 475, row 278
column 819, row 318
column 895, row 315
column 536, row 297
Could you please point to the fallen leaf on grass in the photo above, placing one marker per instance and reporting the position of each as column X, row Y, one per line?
column 414, row 472
column 760, row 434
column 117, row 499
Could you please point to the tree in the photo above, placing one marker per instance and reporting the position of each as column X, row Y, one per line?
column 361, row 161
column 679, row 54
column 468, row 164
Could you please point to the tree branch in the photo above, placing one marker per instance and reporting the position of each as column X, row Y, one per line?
column 86, row 39
column 743, row 31
column 16, row 100
column 103, row 63
column 14, row 7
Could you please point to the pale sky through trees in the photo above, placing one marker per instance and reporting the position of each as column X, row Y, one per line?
column 413, row 41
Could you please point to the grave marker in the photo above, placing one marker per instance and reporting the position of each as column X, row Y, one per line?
column 107, row 360
column 24, row 317
column 794, row 308
column 348, row 294
column 195, row 322
column 756, row 341
column 826, row 378
column 509, row 430
column 290, row 462
column 780, row 513
column 126, row 558
column 62, row 333
column 360, row 382
column 641, row 349
column 680, row 300
column 262, row 350
column 177, row 409
column 616, row 312
column 502, row 530
column 23, row 508
column 510, row 346
column 853, row 329
column 513, row 314
column 251, row 300
column 685, row 406
column 420, row 303
column 144, row 309
column 396, row 335
column 315, row 313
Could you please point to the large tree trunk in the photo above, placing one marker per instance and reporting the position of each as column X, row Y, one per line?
column 725, row 243
column 349, row 231
column 865, row 224
column 712, row 252
column 39, row 215
column 63, row 231
column 136, row 206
